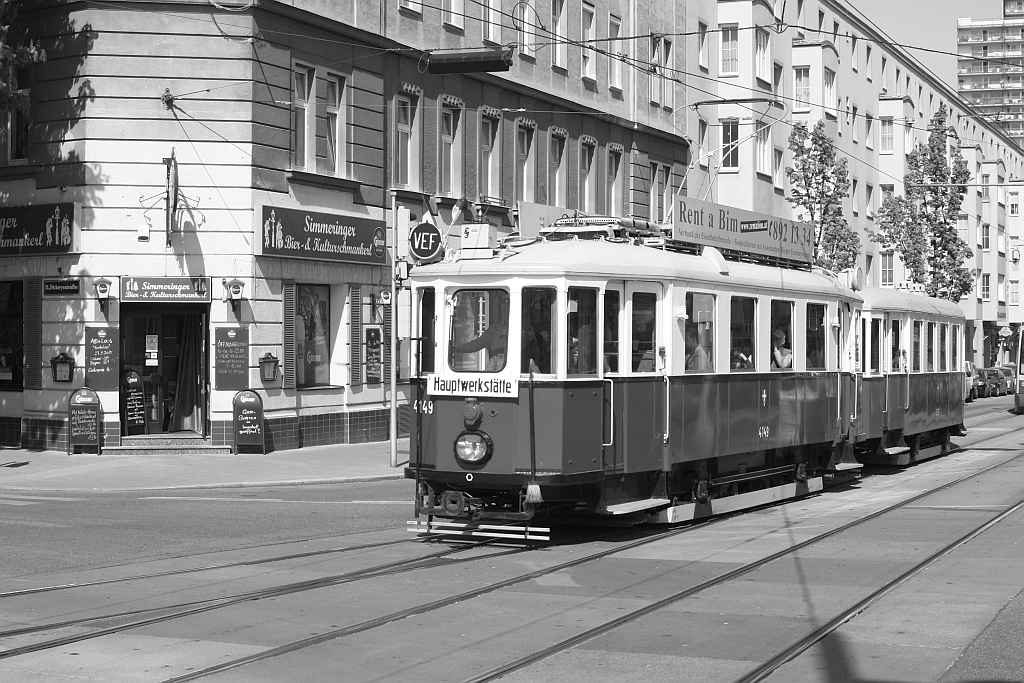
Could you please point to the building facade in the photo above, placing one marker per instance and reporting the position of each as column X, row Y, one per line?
column 200, row 193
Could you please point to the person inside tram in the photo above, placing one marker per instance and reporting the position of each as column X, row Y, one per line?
column 782, row 357
column 696, row 357
column 494, row 338
column 536, row 335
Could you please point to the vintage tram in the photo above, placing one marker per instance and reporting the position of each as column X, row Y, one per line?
column 604, row 372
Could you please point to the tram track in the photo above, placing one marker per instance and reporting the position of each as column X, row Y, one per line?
column 566, row 644
column 403, row 566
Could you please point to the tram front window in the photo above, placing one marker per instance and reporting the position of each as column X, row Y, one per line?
column 538, row 310
column 479, row 330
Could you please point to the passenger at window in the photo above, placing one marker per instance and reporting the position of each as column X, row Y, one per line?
column 536, row 336
column 782, row 357
column 741, row 359
column 494, row 339
column 696, row 357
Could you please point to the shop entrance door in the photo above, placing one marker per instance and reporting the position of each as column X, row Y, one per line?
column 166, row 345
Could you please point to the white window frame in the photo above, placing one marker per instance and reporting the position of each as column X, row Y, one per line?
column 854, row 124
column 869, row 201
column 778, row 168
column 588, row 178
column 525, row 168
column 886, row 140
column 588, row 58
column 411, row 6
column 853, row 52
column 1014, row 204
column 888, row 269
column 615, row 51
column 986, row 237
column 730, row 145
column 303, row 125
column 828, row 80
column 762, row 148
column 525, row 17
column 556, row 171
column 730, row 50
column 14, row 136
column 703, row 151
column 489, row 186
column 491, row 21
column 802, row 88
column 703, row 46
column 560, row 40
column 337, row 125
column 453, row 13
column 869, row 131
column 660, row 190
column 854, row 199
column 407, row 142
column 763, row 55
column 449, row 161
column 1014, row 293
column 986, row 287
column 867, row 63
column 614, row 183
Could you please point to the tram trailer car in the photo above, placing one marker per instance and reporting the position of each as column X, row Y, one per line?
column 629, row 383
column 912, row 381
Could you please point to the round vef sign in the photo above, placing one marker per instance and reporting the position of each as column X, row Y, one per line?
column 426, row 242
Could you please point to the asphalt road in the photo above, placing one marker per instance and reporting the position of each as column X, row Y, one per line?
column 47, row 533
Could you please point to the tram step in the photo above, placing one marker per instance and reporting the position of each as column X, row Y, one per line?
column 847, row 466
column 897, row 450
column 636, row 506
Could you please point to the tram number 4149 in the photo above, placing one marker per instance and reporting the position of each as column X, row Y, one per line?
column 426, row 407
column 762, row 432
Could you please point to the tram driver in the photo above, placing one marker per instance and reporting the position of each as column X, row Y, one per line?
column 494, row 338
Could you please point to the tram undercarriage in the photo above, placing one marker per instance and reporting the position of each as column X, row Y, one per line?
column 689, row 490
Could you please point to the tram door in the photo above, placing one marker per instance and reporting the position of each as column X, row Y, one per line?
column 613, row 333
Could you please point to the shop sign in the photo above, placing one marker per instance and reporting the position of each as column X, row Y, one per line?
column 38, row 229
column 180, row 289
column 726, row 227
column 61, row 287
column 426, row 244
column 373, row 348
column 325, row 236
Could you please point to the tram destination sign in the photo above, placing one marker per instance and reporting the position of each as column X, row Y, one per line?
column 180, row 289
column 726, row 227
column 469, row 384
column 324, row 236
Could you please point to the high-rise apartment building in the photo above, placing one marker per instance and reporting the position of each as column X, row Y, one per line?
column 990, row 66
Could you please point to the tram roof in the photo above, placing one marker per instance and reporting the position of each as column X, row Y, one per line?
column 881, row 299
column 604, row 259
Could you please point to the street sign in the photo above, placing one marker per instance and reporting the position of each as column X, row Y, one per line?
column 426, row 243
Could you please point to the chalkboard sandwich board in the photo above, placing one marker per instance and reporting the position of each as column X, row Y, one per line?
column 85, row 420
column 101, row 358
column 133, row 404
column 247, row 425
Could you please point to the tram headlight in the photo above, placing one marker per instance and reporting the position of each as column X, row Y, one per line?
column 473, row 447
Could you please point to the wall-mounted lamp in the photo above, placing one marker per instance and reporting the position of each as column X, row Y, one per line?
column 102, row 286
column 268, row 367
column 63, row 367
column 232, row 292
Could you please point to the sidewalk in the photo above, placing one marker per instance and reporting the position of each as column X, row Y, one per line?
column 57, row 471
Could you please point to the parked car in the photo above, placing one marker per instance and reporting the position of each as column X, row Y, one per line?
column 1011, row 378
column 971, row 381
column 996, row 382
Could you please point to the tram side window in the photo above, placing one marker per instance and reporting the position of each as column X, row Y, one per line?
column 582, row 325
column 538, row 312
column 741, row 333
column 781, row 353
column 899, row 357
column 611, row 331
column 643, row 333
column 699, row 335
column 917, row 345
column 954, row 356
column 427, row 339
column 929, row 342
column 876, row 346
column 479, row 330
column 942, row 347
column 816, row 336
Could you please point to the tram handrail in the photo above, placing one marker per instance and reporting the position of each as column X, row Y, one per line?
column 611, row 413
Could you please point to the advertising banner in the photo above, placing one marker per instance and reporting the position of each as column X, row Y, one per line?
column 182, row 289
column 325, row 236
column 726, row 227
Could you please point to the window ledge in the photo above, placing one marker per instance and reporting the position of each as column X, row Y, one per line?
column 615, row 89
column 729, row 170
column 322, row 387
column 411, row 11
column 16, row 171
column 589, row 79
column 767, row 177
column 455, row 28
column 325, row 181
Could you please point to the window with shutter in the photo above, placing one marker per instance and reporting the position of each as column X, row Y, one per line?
column 356, row 306
column 33, row 333
column 288, row 371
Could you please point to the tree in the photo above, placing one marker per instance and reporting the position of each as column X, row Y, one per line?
column 16, row 51
column 922, row 226
column 820, row 181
